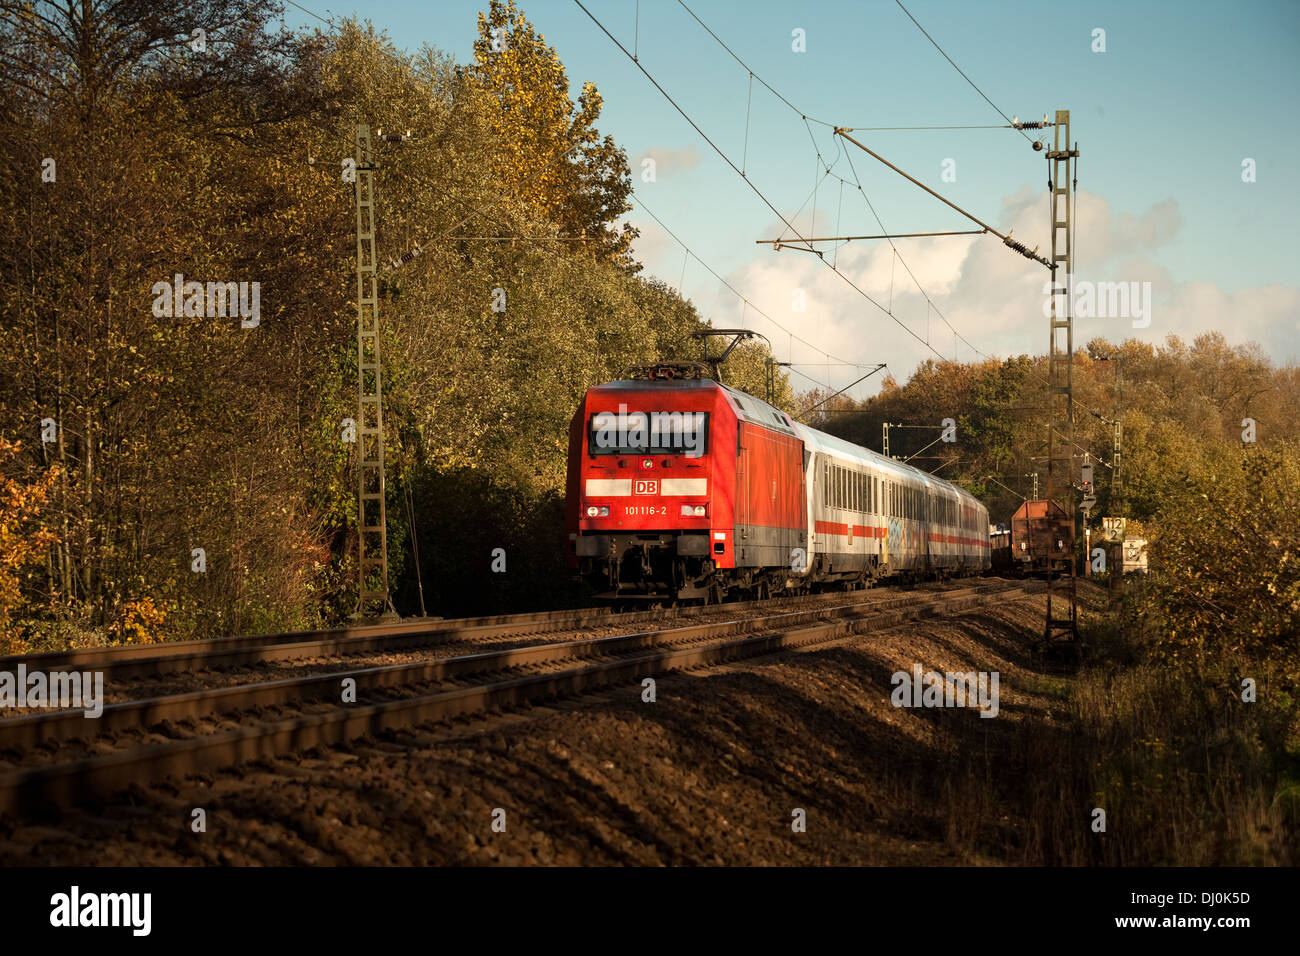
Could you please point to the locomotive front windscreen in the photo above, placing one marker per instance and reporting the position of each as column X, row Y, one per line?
column 648, row 433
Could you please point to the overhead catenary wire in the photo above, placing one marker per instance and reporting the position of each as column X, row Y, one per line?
column 312, row 13
column 840, row 130
column 641, row 203
column 749, row 182
column 841, row 391
column 959, row 69
column 998, row 483
column 812, row 119
column 857, row 180
column 727, row 159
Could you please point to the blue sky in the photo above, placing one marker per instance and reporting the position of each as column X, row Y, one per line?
column 1164, row 118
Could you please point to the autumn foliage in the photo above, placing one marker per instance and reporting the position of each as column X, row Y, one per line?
column 24, row 540
column 171, row 434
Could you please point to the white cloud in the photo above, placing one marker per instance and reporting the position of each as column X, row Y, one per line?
column 653, row 248
column 992, row 296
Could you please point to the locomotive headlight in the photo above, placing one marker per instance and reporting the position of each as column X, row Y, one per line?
column 695, row 511
column 647, row 463
column 597, row 511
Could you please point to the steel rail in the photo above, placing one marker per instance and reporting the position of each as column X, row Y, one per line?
column 155, row 660
column 33, row 730
column 27, row 789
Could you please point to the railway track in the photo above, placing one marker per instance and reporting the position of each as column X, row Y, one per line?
column 139, row 662
column 59, row 762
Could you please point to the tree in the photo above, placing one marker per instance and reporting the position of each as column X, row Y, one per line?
column 552, row 156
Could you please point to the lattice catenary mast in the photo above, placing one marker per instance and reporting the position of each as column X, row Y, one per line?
column 372, row 512
column 1060, row 390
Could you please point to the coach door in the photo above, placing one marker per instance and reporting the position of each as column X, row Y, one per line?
column 742, row 482
column 886, row 514
column 926, row 513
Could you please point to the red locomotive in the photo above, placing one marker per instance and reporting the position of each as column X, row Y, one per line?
column 682, row 488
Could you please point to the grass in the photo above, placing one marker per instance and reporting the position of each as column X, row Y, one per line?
column 1187, row 773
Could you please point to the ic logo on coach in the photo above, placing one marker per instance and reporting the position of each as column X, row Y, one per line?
column 645, row 487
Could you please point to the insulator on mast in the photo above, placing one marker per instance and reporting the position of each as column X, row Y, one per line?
column 404, row 258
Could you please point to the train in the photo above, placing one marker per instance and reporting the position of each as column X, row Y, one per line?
column 1040, row 535
column 682, row 488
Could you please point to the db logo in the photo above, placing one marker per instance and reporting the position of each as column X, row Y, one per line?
column 644, row 487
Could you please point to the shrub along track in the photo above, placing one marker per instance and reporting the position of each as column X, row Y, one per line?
column 209, row 729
